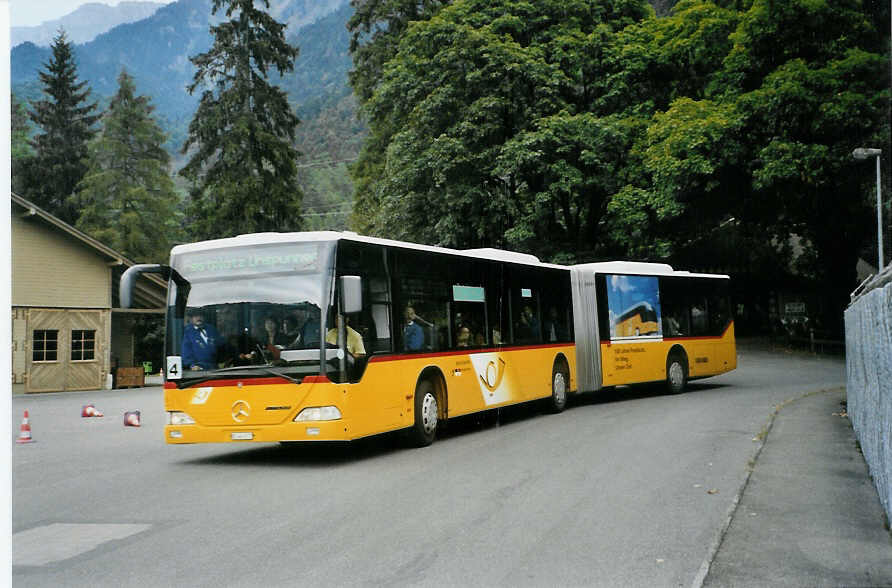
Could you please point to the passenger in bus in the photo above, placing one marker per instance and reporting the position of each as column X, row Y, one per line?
column 555, row 329
column 464, row 337
column 274, row 340
column 413, row 334
column 200, row 343
column 528, row 328
column 355, row 345
column 291, row 326
column 672, row 326
column 273, row 335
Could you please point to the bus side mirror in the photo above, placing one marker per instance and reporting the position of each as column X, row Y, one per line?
column 128, row 279
column 351, row 294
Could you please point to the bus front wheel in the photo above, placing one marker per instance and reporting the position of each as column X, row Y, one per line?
column 676, row 373
column 426, row 408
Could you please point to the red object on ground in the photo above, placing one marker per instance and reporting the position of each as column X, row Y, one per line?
column 89, row 410
column 131, row 418
column 25, row 431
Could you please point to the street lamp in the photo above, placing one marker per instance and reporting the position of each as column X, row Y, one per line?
column 865, row 153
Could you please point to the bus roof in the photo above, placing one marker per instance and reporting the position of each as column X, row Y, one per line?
column 317, row 236
column 603, row 267
column 641, row 268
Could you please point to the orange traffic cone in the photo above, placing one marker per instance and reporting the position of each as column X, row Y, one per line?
column 88, row 410
column 131, row 418
column 25, row 431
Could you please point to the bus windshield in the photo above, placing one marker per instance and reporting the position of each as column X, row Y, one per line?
column 254, row 311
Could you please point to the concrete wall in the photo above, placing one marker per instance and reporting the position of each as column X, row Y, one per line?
column 869, row 380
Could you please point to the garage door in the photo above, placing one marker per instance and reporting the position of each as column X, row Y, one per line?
column 65, row 349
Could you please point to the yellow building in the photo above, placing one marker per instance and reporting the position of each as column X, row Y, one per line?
column 68, row 330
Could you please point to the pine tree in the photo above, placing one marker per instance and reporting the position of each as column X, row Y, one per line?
column 66, row 119
column 127, row 194
column 243, row 165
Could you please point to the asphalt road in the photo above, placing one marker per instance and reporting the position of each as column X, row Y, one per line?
column 628, row 488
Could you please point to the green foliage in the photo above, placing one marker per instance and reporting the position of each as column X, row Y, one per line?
column 591, row 128
column 376, row 28
column 20, row 130
column 127, row 196
column 484, row 119
column 66, row 123
column 21, row 151
column 801, row 86
column 242, row 165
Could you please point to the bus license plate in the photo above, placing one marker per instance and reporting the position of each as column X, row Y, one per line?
column 242, row 436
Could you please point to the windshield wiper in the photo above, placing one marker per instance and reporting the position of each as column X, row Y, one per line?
column 265, row 368
column 275, row 373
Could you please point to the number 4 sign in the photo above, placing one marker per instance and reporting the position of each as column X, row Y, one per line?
column 174, row 367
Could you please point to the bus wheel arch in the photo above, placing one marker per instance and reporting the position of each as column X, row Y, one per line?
column 560, row 384
column 429, row 406
column 676, row 369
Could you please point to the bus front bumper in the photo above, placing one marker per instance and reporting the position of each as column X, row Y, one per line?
column 305, row 431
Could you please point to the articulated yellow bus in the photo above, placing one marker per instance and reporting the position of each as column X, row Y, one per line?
column 333, row 336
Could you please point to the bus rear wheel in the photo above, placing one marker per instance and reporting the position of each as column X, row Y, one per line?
column 676, row 373
column 560, row 384
column 424, row 430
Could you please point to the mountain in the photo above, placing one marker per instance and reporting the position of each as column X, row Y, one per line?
column 156, row 52
column 85, row 23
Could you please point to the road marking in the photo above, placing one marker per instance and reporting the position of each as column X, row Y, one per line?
column 60, row 541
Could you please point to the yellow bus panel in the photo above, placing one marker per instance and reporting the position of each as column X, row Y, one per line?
column 265, row 409
column 634, row 362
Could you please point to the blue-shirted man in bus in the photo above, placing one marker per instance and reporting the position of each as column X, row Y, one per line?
column 200, row 342
column 413, row 335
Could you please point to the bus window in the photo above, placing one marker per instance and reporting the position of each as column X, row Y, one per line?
column 557, row 315
column 424, row 295
column 468, row 316
column 676, row 321
column 699, row 318
column 674, row 305
column 719, row 310
column 525, row 315
column 373, row 321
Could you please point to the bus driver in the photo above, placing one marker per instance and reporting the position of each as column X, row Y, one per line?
column 200, row 342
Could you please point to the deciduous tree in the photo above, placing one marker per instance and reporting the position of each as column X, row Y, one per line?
column 482, row 126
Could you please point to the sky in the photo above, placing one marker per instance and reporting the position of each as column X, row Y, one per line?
column 27, row 13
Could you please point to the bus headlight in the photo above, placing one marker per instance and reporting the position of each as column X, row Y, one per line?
column 175, row 417
column 318, row 413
